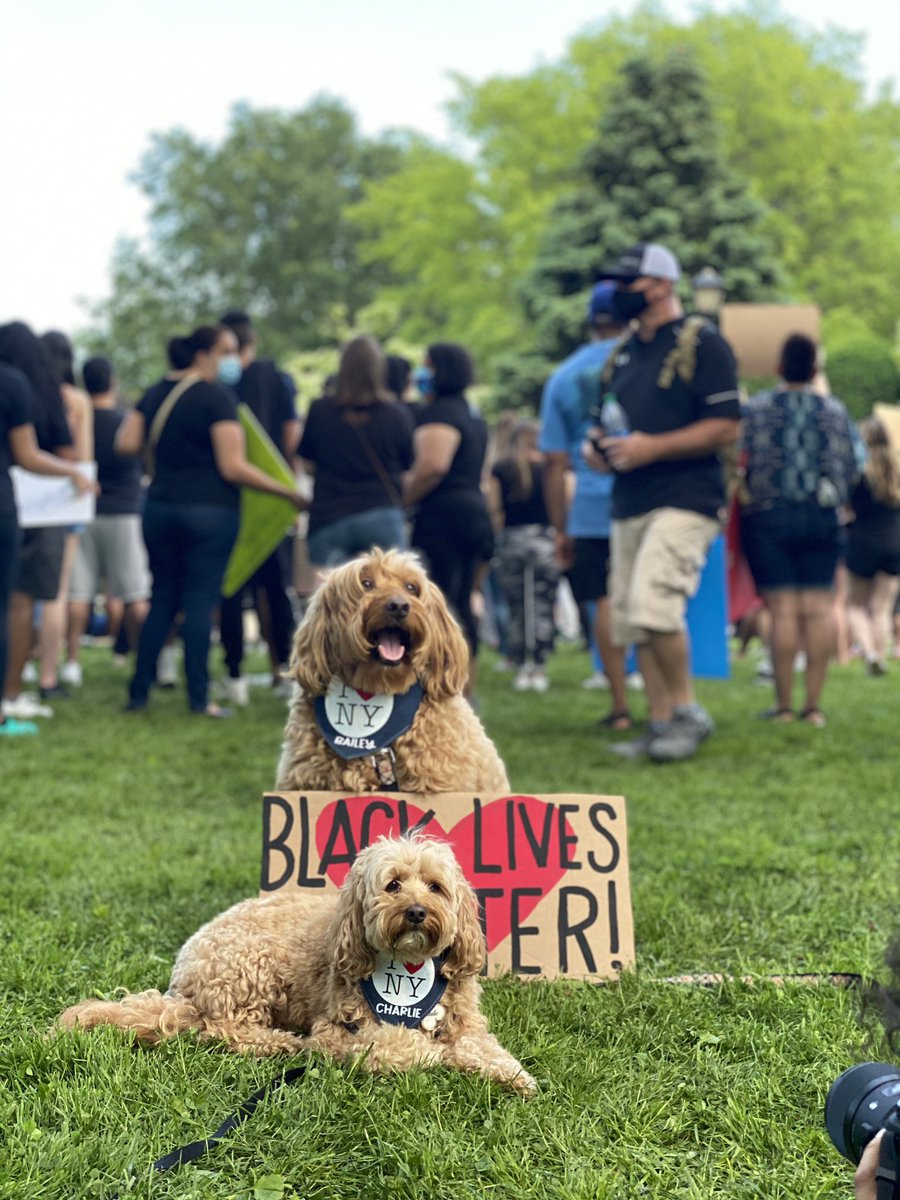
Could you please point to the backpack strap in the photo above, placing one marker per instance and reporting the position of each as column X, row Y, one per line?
column 609, row 366
column 162, row 415
column 682, row 358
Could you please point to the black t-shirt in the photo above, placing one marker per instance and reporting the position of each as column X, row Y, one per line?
column 346, row 479
column 528, row 511
column 875, row 521
column 186, row 471
column 265, row 393
column 695, row 484
column 15, row 410
column 119, row 476
column 468, row 461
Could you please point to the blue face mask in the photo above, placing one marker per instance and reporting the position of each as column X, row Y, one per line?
column 230, row 370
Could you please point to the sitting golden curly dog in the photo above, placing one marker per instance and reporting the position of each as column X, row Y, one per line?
column 376, row 632
column 401, row 940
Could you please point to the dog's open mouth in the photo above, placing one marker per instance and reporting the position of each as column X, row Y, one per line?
column 390, row 645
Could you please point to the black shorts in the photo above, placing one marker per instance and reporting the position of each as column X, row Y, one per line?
column 866, row 556
column 792, row 546
column 589, row 574
column 40, row 562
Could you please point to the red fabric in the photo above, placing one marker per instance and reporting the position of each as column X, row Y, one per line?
column 743, row 597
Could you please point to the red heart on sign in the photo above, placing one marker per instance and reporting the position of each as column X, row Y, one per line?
column 535, row 862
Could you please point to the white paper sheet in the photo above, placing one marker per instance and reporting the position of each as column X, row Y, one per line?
column 47, row 500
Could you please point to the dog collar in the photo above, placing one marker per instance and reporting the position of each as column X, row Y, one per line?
column 355, row 723
column 404, row 993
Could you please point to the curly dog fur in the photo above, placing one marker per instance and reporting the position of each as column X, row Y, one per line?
column 267, row 971
column 446, row 748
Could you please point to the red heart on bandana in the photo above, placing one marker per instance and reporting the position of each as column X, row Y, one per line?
column 364, row 695
column 536, row 845
column 414, row 967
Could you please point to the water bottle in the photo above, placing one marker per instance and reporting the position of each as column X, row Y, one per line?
column 612, row 417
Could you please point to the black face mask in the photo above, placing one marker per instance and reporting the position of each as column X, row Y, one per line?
column 629, row 305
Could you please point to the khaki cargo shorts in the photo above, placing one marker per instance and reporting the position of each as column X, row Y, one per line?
column 655, row 565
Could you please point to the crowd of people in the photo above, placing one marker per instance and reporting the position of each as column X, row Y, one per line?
column 618, row 490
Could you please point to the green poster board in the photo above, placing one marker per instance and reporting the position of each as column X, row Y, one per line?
column 265, row 519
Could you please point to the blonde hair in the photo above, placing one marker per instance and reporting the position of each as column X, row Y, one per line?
column 882, row 470
column 517, row 458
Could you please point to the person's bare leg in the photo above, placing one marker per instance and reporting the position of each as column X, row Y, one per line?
column 840, row 622
column 19, row 617
column 881, row 605
column 859, row 592
column 53, row 619
column 817, row 617
column 135, row 615
column 671, row 653
column 79, row 617
column 783, row 605
column 613, row 656
column 659, row 702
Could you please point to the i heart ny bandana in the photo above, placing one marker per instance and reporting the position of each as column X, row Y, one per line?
column 403, row 993
column 357, row 723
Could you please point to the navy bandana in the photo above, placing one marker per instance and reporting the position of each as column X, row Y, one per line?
column 404, row 993
column 358, row 723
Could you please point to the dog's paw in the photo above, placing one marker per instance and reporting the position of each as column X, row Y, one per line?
column 524, row 1084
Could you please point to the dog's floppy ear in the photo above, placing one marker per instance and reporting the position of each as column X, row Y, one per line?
column 354, row 959
column 447, row 652
column 468, row 953
column 312, row 658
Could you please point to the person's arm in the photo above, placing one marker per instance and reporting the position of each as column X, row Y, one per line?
column 495, row 503
column 26, row 454
column 698, row 440
column 231, row 462
column 129, row 441
column 435, row 446
column 554, row 479
column 290, row 437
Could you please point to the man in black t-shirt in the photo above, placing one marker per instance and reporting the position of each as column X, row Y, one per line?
column 675, row 379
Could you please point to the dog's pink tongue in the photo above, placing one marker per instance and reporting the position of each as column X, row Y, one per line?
column 390, row 646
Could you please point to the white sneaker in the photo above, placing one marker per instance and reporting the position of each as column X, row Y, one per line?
column 635, row 681
column 597, row 681
column 522, row 681
column 237, row 691
column 539, row 680
column 29, row 672
column 26, row 706
column 71, row 673
column 167, row 667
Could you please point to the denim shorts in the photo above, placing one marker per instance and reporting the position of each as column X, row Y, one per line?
column 792, row 546
column 347, row 537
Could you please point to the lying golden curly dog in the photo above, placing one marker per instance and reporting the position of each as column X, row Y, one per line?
column 377, row 639
column 400, row 942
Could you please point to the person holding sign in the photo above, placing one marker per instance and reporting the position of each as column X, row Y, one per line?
column 189, row 423
column 18, row 444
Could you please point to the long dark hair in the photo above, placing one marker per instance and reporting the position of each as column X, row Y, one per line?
column 181, row 351
column 362, row 374
column 20, row 347
column 61, row 354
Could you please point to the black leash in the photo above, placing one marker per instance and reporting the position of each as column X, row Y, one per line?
column 193, row 1150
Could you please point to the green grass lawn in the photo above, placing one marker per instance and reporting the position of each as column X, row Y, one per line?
column 775, row 850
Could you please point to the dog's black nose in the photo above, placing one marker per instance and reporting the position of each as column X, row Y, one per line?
column 398, row 608
column 415, row 914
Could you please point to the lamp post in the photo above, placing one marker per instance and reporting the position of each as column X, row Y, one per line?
column 708, row 287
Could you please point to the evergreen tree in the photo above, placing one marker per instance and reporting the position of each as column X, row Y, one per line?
column 655, row 173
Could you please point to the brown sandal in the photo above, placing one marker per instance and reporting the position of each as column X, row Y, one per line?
column 814, row 717
column 781, row 716
column 618, row 722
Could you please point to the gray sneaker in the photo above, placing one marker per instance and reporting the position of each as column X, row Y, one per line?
column 691, row 725
column 638, row 746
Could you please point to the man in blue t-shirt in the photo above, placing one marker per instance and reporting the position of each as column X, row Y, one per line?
column 582, row 528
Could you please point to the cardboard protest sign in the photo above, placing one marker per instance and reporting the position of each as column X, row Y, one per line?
column 43, row 500
column 550, row 872
column 756, row 332
column 265, row 519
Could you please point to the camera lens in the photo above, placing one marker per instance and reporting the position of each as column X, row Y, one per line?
column 858, row 1105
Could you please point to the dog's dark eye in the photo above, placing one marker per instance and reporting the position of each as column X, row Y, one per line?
column 393, row 886
column 436, row 887
column 367, row 584
column 413, row 587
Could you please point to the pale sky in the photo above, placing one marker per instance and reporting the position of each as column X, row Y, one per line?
column 82, row 87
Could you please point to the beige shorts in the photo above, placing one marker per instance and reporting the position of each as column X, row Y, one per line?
column 655, row 565
column 111, row 552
